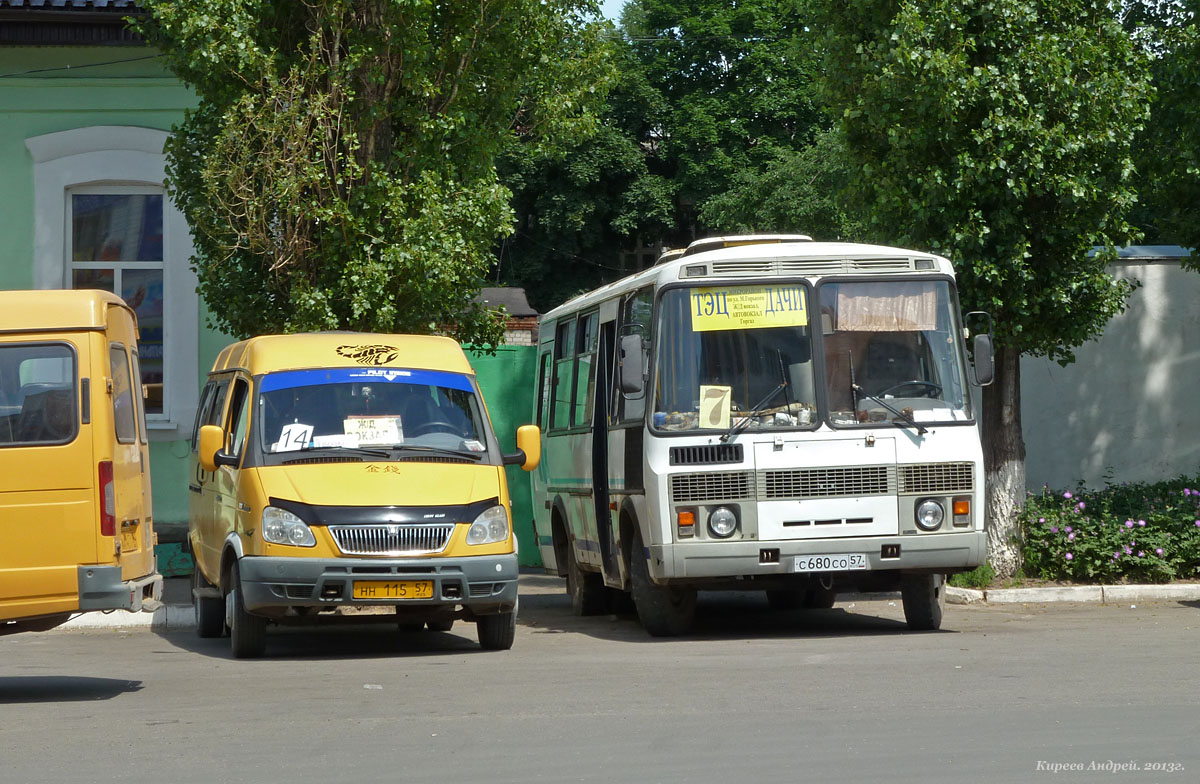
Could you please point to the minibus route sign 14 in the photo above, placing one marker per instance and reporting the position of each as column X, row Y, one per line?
column 748, row 307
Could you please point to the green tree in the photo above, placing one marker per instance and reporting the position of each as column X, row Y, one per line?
column 999, row 133
column 339, row 169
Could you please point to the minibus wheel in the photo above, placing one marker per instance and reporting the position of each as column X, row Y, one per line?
column 444, row 625
column 247, row 633
column 497, row 632
column 924, row 598
column 210, row 612
column 664, row 611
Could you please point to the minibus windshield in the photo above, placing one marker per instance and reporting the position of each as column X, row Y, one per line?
column 734, row 358
column 892, row 353
column 370, row 409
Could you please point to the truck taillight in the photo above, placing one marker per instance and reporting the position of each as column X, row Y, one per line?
column 108, row 503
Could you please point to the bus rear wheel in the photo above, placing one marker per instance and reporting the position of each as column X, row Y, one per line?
column 664, row 611
column 924, row 598
column 586, row 589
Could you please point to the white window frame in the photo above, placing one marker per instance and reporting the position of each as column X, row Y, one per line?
column 105, row 158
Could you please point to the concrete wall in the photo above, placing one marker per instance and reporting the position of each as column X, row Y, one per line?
column 1129, row 408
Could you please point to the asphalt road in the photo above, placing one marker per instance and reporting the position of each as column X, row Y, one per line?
column 1001, row 694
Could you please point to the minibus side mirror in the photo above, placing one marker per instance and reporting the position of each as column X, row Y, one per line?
column 985, row 370
column 529, row 448
column 632, row 371
column 212, row 438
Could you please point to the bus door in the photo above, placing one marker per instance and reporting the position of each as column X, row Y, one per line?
column 600, row 453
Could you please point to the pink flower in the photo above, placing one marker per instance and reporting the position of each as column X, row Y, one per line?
column 1054, row 528
column 1070, row 557
column 1068, row 529
column 1141, row 523
column 1141, row 553
column 1041, row 519
column 1129, row 523
column 1068, row 495
column 1070, row 537
column 1158, row 550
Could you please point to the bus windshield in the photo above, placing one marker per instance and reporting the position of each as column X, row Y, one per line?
column 734, row 356
column 893, row 343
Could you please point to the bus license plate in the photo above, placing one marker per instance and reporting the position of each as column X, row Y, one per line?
column 393, row 589
column 830, row 563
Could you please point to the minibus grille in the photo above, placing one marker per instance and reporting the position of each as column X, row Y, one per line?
column 825, row 482
column 688, row 488
column 392, row 539
column 937, row 478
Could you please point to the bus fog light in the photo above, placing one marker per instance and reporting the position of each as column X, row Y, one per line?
column 722, row 522
column 930, row 515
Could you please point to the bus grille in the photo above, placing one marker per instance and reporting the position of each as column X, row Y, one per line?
column 825, row 482
column 937, row 478
column 687, row 488
column 706, row 453
column 392, row 539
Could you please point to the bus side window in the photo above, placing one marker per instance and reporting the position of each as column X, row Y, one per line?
column 543, row 391
column 636, row 316
column 564, row 358
column 585, row 370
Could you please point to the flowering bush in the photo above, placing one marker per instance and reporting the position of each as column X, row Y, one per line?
column 1123, row 533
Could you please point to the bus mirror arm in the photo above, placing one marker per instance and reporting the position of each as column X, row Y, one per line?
column 632, row 372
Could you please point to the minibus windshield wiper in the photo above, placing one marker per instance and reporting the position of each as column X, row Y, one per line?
column 356, row 449
column 476, row 456
column 921, row 430
column 757, row 411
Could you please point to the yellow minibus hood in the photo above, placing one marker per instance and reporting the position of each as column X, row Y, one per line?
column 381, row 484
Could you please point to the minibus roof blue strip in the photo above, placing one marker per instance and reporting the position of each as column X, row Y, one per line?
column 288, row 379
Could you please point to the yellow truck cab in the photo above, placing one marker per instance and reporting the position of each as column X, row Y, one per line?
column 335, row 472
column 75, row 516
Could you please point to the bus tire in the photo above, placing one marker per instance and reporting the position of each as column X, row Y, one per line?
column 924, row 598
column 497, row 632
column 247, row 633
column 818, row 599
column 586, row 589
column 664, row 611
column 786, row 598
column 210, row 612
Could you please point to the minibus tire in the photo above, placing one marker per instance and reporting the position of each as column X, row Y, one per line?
column 819, row 599
column 924, row 599
column 247, row 633
column 664, row 611
column 586, row 589
column 210, row 613
column 440, row 626
column 497, row 632
column 787, row 598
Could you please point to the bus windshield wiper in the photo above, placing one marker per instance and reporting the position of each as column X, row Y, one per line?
column 756, row 411
column 921, row 430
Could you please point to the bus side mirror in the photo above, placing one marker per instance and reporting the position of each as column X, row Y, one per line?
column 529, row 448
column 985, row 371
column 212, row 438
column 632, row 371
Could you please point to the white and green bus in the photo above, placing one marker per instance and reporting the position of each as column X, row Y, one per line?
column 761, row 413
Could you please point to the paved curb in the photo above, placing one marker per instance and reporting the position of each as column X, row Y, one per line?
column 1105, row 594
column 169, row 617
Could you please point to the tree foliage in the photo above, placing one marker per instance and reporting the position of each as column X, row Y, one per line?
column 339, row 170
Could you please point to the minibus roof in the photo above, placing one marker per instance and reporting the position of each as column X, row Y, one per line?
column 58, row 310
column 269, row 353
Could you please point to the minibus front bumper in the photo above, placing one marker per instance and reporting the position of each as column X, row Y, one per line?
column 948, row 552
column 482, row 584
column 101, row 588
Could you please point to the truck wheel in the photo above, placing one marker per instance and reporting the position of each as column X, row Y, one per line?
column 497, row 632
column 664, row 611
column 247, row 633
column 586, row 589
column 210, row 612
column 924, row 598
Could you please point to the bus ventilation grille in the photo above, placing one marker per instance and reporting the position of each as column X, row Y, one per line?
column 708, row 454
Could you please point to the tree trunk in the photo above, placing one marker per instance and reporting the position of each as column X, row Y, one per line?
column 1004, row 462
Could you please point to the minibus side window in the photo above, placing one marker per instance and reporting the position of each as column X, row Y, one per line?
column 239, row 418
column 37, row 394
column 206, row 399
column 138, row 396
column 124, row 409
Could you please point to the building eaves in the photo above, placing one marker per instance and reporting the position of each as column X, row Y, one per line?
column 68, row 23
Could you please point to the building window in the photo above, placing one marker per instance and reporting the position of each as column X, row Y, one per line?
column 116, row 244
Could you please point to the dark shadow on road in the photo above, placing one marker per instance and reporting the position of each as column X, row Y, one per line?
column 62, row 688
column 1195, row 605
column 720, row 615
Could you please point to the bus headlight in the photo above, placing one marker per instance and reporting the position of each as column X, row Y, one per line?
column 280, row 526
column 722, row 522
column 489, row 527
column 930, row 515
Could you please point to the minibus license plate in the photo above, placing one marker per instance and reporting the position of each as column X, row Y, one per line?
column 129, row 540
column 830, row 563
column 393, row 589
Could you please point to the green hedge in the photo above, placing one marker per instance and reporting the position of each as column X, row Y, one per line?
column 1123, row 533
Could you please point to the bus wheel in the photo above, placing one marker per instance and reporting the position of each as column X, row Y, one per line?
column 210, row 612
column 586, row 589
column 819, row 598
column 247, row 633
column 664, row 611
column 924, row 597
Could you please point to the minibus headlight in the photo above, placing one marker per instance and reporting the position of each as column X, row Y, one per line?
column 280, row 526
column 489, row 527
column 722, row 522
column 929, row 515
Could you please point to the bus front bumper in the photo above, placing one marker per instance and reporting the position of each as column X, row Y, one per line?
column 948, row 552
column 482, row 584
